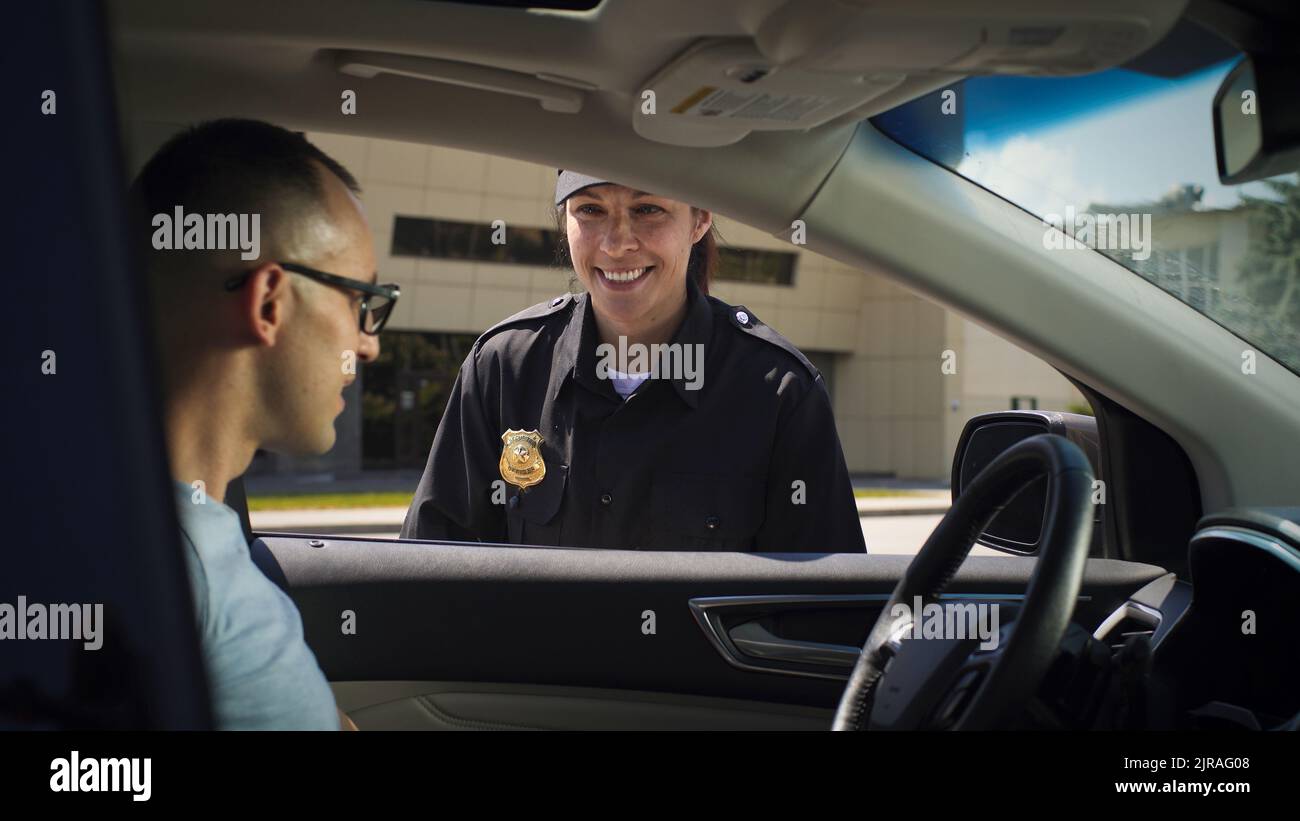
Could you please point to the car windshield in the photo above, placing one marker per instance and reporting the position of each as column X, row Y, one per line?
column 1123, row 163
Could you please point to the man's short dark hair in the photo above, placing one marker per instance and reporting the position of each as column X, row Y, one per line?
column 234, row 166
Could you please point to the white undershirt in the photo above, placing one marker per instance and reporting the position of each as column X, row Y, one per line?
column 625, row 383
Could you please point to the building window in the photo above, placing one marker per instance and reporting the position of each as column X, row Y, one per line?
column 759, row 267
column 404, row 394
column 1191, row 274
column 472, row 242
column 447, row 239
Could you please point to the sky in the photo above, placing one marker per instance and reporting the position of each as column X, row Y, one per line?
column 1050, row 144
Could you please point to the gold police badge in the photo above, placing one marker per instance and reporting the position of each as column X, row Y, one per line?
column 521, row 458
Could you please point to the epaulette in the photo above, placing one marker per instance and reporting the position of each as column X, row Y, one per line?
column 743, row 319
column 541, row 309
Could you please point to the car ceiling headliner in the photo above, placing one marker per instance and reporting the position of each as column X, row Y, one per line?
column 185, row 62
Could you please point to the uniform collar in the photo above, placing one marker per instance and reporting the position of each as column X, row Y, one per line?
column 575, row 351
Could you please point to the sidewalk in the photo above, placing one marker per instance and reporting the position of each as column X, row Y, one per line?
column 920, row 496
column 924, row 502
column 342, row 520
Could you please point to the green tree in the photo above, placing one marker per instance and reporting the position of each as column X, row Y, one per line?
column 1271, row 267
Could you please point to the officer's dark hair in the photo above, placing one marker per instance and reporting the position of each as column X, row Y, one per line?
column 702, row 265
column 233, row 166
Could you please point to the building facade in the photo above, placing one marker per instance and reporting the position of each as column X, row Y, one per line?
column 433, row 211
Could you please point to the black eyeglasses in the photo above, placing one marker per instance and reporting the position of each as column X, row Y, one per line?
column 376, row 305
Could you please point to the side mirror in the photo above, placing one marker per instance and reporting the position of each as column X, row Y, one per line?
column 1018, row 528
column 1257, row 120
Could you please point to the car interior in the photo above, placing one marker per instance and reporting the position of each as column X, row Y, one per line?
column 1130, row 611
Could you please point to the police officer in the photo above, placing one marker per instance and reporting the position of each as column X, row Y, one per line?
column 641, row 414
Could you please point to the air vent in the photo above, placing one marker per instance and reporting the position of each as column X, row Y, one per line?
column 1126, row 629
column 1129, row 619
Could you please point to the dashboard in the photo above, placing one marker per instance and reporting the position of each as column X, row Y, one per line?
column 1225, row 650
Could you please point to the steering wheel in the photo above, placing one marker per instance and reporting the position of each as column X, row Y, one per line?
column 951, row 683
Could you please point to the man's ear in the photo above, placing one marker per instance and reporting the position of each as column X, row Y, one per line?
column 703, row 222
column 263, row 303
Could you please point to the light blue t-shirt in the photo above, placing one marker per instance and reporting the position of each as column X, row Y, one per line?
column 261, row 672
column 627, row 383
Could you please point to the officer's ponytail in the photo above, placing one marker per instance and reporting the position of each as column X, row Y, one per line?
column 703, row 263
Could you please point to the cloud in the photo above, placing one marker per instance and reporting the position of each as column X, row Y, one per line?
column 1032, row 174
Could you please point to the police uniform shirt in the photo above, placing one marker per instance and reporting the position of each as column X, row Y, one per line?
column 741, row 455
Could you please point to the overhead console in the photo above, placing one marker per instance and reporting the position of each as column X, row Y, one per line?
column 813, row 61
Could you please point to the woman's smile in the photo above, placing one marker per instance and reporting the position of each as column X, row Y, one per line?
column 624, row 278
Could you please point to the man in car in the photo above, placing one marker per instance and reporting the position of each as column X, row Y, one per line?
column 256, row 336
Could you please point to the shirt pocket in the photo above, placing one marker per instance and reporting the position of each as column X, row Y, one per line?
column 713, row 512
column 533, row 516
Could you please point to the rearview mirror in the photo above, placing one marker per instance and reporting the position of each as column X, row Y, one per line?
column 1257, row 120
column 1018, row 528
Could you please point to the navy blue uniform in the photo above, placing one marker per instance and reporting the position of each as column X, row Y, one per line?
column 741, row 455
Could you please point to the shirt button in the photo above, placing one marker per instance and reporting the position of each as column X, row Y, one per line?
column 605, row 498
column 742, row 317
column 712, row 522
column 556, row 301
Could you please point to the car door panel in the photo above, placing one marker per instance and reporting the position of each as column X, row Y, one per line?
column 604, row 621
column 432, row 705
